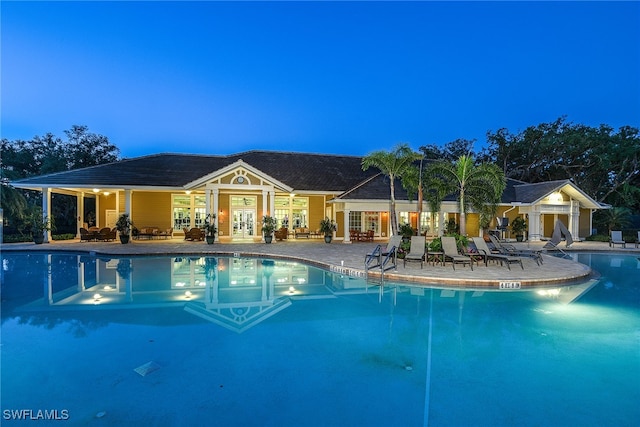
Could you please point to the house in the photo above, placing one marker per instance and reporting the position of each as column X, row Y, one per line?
column 298, row 189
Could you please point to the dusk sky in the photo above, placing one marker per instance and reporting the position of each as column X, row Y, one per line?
column 339, row 77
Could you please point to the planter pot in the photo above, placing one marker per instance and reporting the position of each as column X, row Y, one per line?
column 406, row 239
column 210, row 239
column 38, row 239
column 124, row 239
column 327, row 239
column 519, row 238
column 267, row 239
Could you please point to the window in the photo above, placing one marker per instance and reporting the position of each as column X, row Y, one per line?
column 355, row 221
column 188, row 210
column 429, row 224
column 292, row 212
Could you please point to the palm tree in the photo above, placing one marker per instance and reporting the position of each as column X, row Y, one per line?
column 475, row 185
column 393, row 164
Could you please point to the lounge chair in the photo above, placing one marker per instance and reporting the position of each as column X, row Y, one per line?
column 483, row 249
column 616, row 239
column 450, row 249
column 417, row 252
column 506, row 249
column 392, row 247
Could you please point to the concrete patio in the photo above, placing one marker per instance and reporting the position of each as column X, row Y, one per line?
column 348, row 259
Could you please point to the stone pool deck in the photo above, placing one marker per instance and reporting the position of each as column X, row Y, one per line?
column 348, row 259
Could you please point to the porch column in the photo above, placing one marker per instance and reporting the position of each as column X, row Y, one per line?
column 207, row 201
column 574, row 219
column 214, row 194
column 535, row 232
column 127, row 204
column 80, row 211
column 272, row 202
column 46, row 207
column 345, row 225
column 265, row 209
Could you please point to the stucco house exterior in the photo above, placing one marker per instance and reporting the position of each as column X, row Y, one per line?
column 298, row 189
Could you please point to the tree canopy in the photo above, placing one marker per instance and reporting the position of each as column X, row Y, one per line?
column 603, row 162
column 43, row 155
column 393, row 164
column 476, row 186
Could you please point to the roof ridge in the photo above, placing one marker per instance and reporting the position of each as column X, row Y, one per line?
column 359, row 185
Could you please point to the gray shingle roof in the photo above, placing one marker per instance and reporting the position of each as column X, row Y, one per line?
column 303, row 171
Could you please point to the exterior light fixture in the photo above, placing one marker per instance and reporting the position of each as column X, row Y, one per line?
column 187, row 294
column 292, row 290
column 97, row 297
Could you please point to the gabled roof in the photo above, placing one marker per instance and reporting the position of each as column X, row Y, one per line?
column 301, row 171
column 534, row 193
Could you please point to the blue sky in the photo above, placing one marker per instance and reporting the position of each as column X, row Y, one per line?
column 338, row 77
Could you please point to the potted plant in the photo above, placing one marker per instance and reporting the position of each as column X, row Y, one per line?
column 123, row 225
column 268, row 227
column 327, row 227
column 518, row 226
column 406, row 231
column 210, row 229
column 38, row 224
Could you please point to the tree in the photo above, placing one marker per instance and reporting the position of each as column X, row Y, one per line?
column 602, row 162
column 451, row 151
column 394, row 164
column 88, row 149
column 49, row 154
column 475, row 185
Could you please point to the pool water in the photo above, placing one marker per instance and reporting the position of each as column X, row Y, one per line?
column 254, row 342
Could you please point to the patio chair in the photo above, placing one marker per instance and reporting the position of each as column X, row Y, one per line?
column 106, row 234
column 616, row 239
column 417, row 252
column 483, row 249
column 194, row 234
column 392, row 245
column 506, row 249
column 450, row 249
column 281, row 234
column 166, row 233
column 86, row 235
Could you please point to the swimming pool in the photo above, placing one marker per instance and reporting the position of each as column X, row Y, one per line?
column 256, row 342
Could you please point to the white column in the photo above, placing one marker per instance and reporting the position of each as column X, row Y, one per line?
column 215, row 193
column 272, row 202
column 535, row 220
column 265, row 210
column 207, row 201
column 345, row 226
column 574, row 219
column 80, row 211
column 46, row 207
column 127, row 204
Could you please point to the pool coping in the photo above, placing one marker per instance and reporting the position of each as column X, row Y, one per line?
column 554, row 272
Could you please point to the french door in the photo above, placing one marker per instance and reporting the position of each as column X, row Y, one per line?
column 243, row 223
